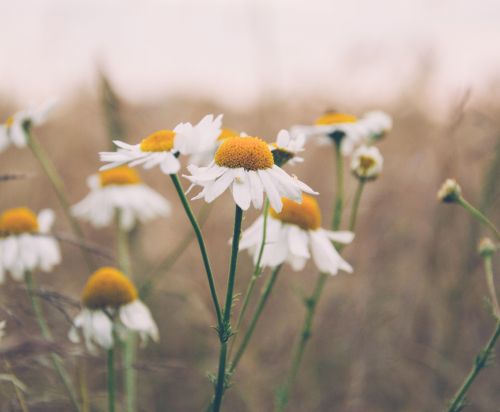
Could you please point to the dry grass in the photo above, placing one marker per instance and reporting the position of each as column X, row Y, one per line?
column 398, row 334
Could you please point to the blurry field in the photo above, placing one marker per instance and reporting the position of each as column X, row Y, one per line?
column 397, row 335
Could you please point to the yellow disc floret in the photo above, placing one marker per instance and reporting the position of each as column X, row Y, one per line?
column 160, row 141
column 250, row 153
column 333, row 118
column 366, row 162
column 226, row 134
column 306, row 215
column 121, row 175
column 108, row 287
column 18, row 220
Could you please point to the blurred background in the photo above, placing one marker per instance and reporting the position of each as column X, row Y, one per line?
column 401, row 332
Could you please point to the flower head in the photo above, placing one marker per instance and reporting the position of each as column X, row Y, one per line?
column 366, row 163
column 204, row 157
column 162, row 147
column 293, row 235
column 11, row 131
column 287, row 147
column 376, row 124
column 246, row 165
column 25, row 243
column 111, row 308
column 120, row 192
column 486, row 247
column 449, row 192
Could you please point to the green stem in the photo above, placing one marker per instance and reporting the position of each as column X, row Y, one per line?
column 129, row 343
column 225, row 333
column 201, row 243
column 111, row 380
column 488, row 268
column 176, row 253
column 46, row 333
column 58, row 185
column 339, row 196
column 266, row 291
column 356, row 201
column 479, row 216
column 257, row 269
column 480, row 362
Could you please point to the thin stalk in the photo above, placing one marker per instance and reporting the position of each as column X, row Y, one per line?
column 339, row 196
column 225, row 333
column 266, row 291
column 46, row 333
column 176, row 253
column 129, row 343
column 312, row 301
column 480, row 362
column 479, row 216
column 491, row 286
column 111, row 380
column 356, row 201
column 201, row 243
column 58, row 185
column 257, row 269
column 17, row 389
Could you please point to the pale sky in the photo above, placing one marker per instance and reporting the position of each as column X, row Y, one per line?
column 236, row 51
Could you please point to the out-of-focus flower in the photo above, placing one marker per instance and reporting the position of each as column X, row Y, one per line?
column 346, row 129
column 111, row 308
column 366, row 163
column 486, row 247
column 11, row 132
column 2, row 329
column 449, row 192
column 25, row 243
column 203, row 158
column 293, row 235
column 286, row 148
column 246, row 165
column 120, row 190
column 164, row 146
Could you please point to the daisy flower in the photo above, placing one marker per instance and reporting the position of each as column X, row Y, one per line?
column 25, row 244
column 293, row 235
column 376, row 124
column 11, row 132
column 111, row 308
column 286, row 148
column 246, row 166
column 120, row 190
column 164, row 146
column 367, row 162
column 203, row 158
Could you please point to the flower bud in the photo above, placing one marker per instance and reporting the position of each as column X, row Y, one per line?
column 367, row 163
column 486, row 247
column 450, row 191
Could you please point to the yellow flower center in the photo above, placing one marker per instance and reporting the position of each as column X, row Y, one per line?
column 122, row 175
column 250, row 153
column 333, row 118
column 366, row 162
column 226, row 134
column 160, row 141
column 108, row 287
column 18, row 220
column 9, row 122
column 306, row 215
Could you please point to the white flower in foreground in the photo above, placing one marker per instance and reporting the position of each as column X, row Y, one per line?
column 287, row 147
column 11, row 132
column 246, row 166
column 111, row 309
column 293, row 235
column 164, row 146
column 367, row 162
column 203, row 158
column 25, row 243
column 120, row 190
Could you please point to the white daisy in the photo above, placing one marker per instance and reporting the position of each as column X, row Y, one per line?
column 376, row 124
column 246, row 165
column 25, row 244
column 367, row 162
column 203, row 158
column 287, row 147
column 11, row 132
column 111, row 308
column 164, row 146
column 293, row 235
column 120, row 190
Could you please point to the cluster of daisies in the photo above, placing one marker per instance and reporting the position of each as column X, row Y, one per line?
column 218, row 160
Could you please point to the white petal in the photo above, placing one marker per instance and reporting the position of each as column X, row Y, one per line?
column 271, row 191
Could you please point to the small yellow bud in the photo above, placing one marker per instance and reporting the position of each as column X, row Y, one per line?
column 450, row 191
